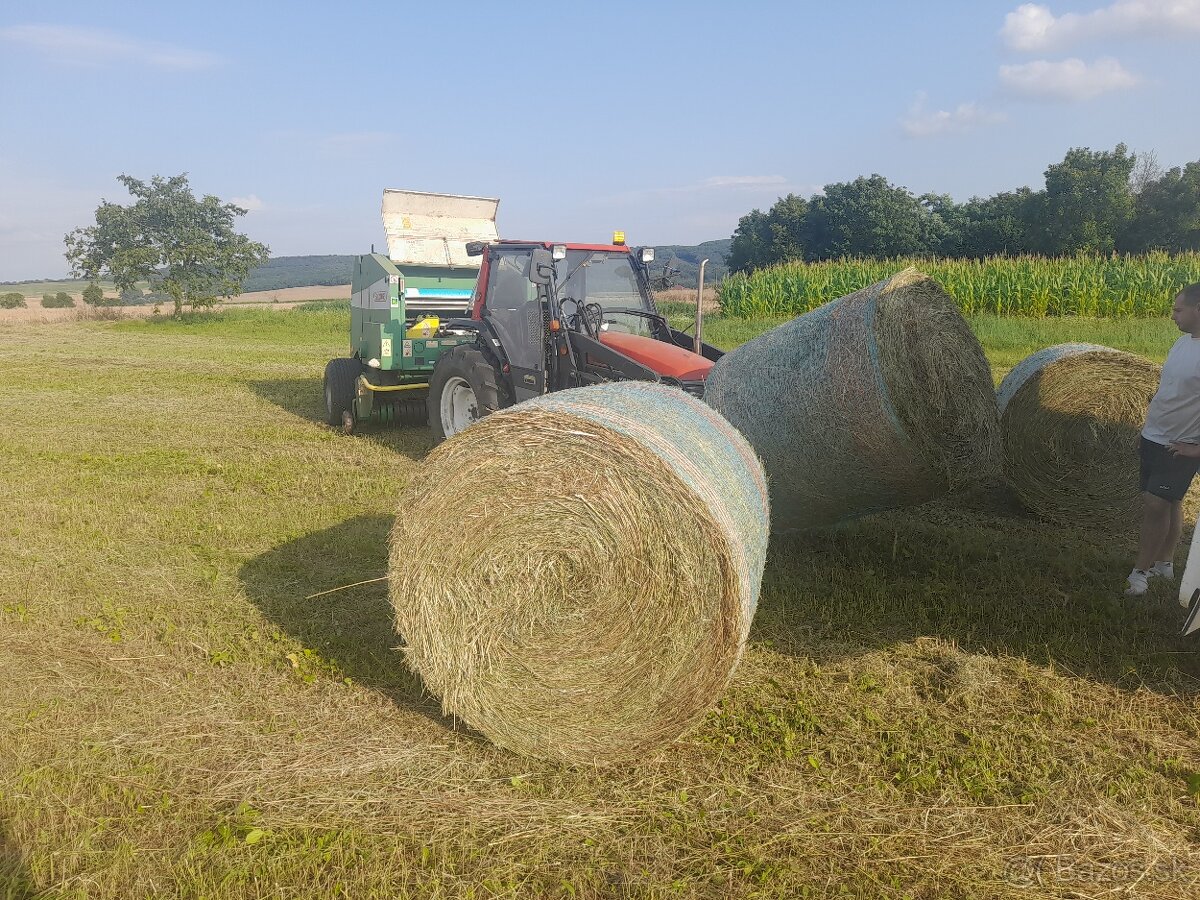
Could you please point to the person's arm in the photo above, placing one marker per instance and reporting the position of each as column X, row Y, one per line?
column 1179, row 448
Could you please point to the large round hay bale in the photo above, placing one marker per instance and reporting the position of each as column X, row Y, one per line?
column 876, row 400
column 575, row 576
column 1071, row 416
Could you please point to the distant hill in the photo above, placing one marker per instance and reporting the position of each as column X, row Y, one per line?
column 305, row 271
column 300, row 271
column 687, row 260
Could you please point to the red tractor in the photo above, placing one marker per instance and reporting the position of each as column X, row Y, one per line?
column 553, row 316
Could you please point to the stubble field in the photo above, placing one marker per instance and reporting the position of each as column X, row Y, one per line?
column 951, row 701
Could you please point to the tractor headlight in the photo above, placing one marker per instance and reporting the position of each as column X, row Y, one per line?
column 647, row 255
column 558, row 251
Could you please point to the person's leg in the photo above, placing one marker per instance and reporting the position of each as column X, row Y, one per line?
column 1166, row 553
column 1156, row 527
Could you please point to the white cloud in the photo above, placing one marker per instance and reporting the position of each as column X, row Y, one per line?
column 1032, row 27
column 922, row 122
column 97, row 47
column 711, row 187
column 1068, row 79
column 714, row 186
column 737, row 181
column 250, row 203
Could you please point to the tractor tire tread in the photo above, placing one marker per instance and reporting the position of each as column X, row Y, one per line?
column 467, row 361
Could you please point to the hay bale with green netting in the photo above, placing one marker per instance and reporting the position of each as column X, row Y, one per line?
column 1071, row 417
column 877, row 400
column 575, row 576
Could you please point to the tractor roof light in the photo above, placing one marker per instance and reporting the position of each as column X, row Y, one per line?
column 558, row 251
column 619, row 238
column 647, row 254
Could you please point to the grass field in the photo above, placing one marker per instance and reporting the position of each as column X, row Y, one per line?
column 953, row 701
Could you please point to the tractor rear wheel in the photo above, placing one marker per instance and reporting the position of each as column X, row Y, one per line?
column 340, row 376
column 464, row 388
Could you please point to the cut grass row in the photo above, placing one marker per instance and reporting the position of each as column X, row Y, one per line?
column 945, row 702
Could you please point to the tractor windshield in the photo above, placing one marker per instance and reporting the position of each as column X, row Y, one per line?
column 606, row 278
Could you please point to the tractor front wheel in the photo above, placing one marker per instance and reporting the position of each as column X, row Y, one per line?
column 464, row 388
column 340, row 376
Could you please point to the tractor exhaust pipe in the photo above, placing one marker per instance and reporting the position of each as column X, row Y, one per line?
column 698, row 341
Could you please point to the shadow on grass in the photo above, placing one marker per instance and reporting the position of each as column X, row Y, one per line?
column 973, row 570
column 15, row 882
column 352, row 628
column 302, row 397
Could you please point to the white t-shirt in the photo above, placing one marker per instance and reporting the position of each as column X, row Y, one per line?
column 1174, row 413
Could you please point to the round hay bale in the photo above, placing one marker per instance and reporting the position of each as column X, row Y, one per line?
column 1071, row 416
column 575, row 576
column 876, row 400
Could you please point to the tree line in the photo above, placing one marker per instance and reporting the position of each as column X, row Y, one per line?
column 1094, row 201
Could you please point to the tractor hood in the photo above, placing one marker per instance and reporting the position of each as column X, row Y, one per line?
column 658, row 356
column 426, row 229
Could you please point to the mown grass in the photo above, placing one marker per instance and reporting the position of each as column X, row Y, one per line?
column 952, row 701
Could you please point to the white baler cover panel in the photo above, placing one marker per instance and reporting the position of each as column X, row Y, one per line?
column 433, row 229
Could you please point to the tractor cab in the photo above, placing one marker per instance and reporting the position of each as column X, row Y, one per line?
column 555, row 316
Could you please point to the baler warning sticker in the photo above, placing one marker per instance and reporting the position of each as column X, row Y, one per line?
column 408, row 348
column 385, row 347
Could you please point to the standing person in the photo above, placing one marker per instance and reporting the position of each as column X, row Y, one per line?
column 1170, row 447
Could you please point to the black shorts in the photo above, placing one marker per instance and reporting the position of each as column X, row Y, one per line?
column 1164, row 474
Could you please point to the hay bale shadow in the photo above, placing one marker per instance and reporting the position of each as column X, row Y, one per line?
column 15, row 880
column 973, row 570
column 352, row 628
column 302, row 398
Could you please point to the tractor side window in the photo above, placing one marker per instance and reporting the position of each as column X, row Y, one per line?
column 515, row 310
column 509, row 285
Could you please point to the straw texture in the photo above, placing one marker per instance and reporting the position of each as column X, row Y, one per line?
column 583, row 581
column 1070, row 420
column 877, row 400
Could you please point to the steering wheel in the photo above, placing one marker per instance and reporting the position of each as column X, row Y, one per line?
column 570, row 312
column 593, row 318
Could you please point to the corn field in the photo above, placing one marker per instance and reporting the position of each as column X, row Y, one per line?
column 1030, row 286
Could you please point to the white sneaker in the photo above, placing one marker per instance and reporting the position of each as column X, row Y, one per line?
column 1163, row 570
column 1139, row 582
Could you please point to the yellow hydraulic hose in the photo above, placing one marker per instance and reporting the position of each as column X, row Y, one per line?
column 393, row 387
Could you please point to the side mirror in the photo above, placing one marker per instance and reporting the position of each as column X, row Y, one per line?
column 475, row 248
column 541, row 266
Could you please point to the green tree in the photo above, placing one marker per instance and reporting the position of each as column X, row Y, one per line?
column 188, row 246
column 1000, row 225
column 787, row 223
column 865, row 217
column 1087, row 202
column 945, row 225
column 750, row 248
column 1166, row 213
column 93, row 295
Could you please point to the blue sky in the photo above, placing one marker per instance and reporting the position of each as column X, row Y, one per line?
column 669, row 120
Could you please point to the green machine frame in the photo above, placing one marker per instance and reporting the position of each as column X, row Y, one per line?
column 395, row 298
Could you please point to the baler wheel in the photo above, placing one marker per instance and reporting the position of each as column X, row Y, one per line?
column 340, row 376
